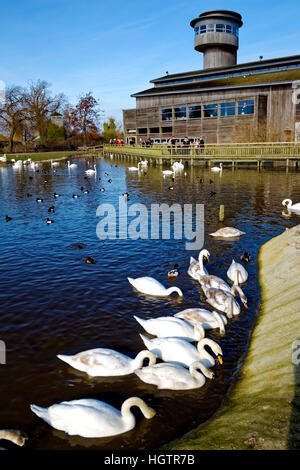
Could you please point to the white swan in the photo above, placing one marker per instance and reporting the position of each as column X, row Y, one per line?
column 227, row 232
column 72, row 165
column 134, row 168
column 196, row 268
column 178, row 166
column 243, row 275
column 3, row 159
column 224, row 301
column 144, row 163
column 102, row 362
column 175, row 377
column 91, row 171
column 167, row 172
column 171, row 326
column 214, row 281
column 53, row 164
column 182, row 352
column 18, row 164
column 150, row 286
column 217, row 168
column 92, row 418
column 288, row 203
column 200, row 316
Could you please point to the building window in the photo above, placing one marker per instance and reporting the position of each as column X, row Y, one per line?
column 131, row 131
column 210, row 110
column 180, row 113
column 195, row 112
column 166, row 114
column 229, row 29
column 167, row 130
column 142, row 130
column 196, row 30
column 202, row 29
column 154, row 130
column 227, row 109
column 220, row 28
column 245, row 107
column 210, row 28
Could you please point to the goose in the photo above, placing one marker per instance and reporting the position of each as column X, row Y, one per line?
column 90, row 171
column 182, row 352
column 288, row 203
column 227, row 232
column 170, row 327
column 72, row 165
column 196, row 268
column 224, row 301
column 175, row 377
column 174, row 272
column 200, row 316
column 243, row 275
column 92, row 418
column 103, row 362
column 150, row 286
column 135, row 168
column 13, row 435
column 217, row 168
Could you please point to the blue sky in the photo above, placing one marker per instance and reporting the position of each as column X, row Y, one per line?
column 115, row 48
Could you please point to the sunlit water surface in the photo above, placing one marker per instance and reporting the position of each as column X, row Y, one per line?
column 53, row 302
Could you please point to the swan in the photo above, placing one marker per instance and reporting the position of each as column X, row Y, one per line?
column 134, row 168
column 90, row 171
column 175, row 377
column 214, row 281
column 3, row 158
column 196, row 268
column 225, row 301
column 150, row 286
column 167, row 172
column 178, row 166
column 288, row 203
column 182, row 352
column 72, row 165
column 227, row 232
column 200, row 316
column 243, row 275
column 13, row 435
column 102, row 362
column 217, row 168
column 144, row 163
column 92, row 418
column 53, row 164
column 170, row 327
column 18, row 164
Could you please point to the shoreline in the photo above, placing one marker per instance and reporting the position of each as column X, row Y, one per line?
column 262, row 409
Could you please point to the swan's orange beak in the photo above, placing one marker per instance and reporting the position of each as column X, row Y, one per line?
column 220, row 359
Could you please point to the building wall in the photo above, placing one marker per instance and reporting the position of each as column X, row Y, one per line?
column 274, row 115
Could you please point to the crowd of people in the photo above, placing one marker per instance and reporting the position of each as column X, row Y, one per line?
column 172, row 142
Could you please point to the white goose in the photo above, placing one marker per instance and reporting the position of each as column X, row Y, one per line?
column 175, row 377
column 196, row 268
column 227, row 232
column 102, row 362
column 71, row 165
column 150, row 286
column 182, row 352
column 200, row 316
column 170, row 327
column 289, row 204
column 92, row 418
column 217, row 168
column 91, row 171
column 243, row 275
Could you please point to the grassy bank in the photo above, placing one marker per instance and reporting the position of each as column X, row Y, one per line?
column 262, row 409
column 44, row 156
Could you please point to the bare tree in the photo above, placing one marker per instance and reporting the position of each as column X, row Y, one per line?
column 12, row 114
column 39, row 105
column 85, row 116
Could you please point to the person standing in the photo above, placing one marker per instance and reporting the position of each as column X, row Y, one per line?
column 201, row 145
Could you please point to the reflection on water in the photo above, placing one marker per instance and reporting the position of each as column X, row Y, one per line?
column 52, row 302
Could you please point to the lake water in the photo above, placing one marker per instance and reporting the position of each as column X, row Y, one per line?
column 52, row 302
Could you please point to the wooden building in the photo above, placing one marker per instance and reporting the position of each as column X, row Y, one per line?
column 224, row 102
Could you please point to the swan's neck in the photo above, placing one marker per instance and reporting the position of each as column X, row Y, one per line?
column 128, row 416
column 220, row 322
column 202, row 351
column 199, row 332
column 202, row 270
column 204, row 371
column 138, row 361
column 174, row 289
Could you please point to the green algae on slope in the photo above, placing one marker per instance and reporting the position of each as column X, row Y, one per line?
column 262, row 409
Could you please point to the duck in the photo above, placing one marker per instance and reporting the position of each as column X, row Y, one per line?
column 14, row 435
column 217, row 168
column 92, row 418
column 227, row 232
column 39, row 199
column 89, row 260
column 200, row 316
column 175, row 377
column 86, row 191
column 180, row 351
column 7, row 218
column 245, row 257
column 135, row 168
column 174, row 272
column 56, row 195
column 171, row 188
column 102, row 190
column 150, row 286
column 72, row 165
column 49, row 221
column 91, row 171
column 171, row 326
column 75, row 196
column 243, row 275
column 196, row 268
column 289, row 204
column 103, row 362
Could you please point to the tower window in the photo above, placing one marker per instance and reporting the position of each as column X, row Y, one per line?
column 220, row 28
column 228, row 28
column 202, row 29
column 196, row 30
